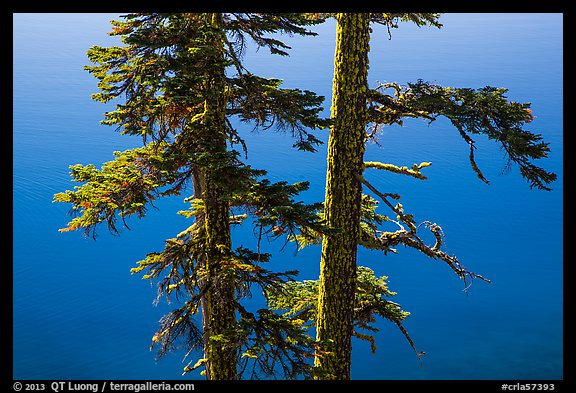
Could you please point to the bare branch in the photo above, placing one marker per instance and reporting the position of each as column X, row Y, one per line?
column 386, row 240
column 414, row 171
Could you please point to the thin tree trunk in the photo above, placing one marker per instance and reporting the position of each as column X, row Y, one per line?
column 198, row 183
column 219, row 306
column 343, row 194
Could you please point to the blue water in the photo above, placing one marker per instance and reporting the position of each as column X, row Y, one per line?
column 79, row 314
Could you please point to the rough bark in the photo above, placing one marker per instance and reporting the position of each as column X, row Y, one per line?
column 220, row 310
column 198, row 183
column 343, row 194
column 219, row 305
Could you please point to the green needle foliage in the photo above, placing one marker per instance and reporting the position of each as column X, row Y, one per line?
column 357, row 114
column 123, row 187
column 299, row 301
column 472, row 112
column 177, row 82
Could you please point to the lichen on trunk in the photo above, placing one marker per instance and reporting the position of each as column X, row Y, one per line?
column 343, row 194
column 219, row 303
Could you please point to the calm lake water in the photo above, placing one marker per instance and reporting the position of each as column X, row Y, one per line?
column 80, row 314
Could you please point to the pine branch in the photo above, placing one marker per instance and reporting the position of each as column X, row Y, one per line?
column 483, row 111
column 299, row 301
column 262, row 101
column 257, row 25
column 178, row 327
column 121, row 188
column 271, row 341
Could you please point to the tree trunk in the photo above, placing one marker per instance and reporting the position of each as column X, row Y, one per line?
column 219, row 302
column 343, row 194
column 198, row 182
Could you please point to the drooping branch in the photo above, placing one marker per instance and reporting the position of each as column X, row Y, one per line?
column 482, row 111
column 258, row 25
column 276, row 213
column 178, row 327
column 474, row 165
column 263, row 102
column 123, row 187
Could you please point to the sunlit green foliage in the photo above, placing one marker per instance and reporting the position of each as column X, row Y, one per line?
column 299, row 301
column 472, row 112
column 123, row 187
column 358, row 113
column 177, row 82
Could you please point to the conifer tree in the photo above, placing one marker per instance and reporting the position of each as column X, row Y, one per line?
column 347, row 297
column 182, row 81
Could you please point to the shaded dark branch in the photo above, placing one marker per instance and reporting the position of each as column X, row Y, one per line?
column 235, row 138
column 475, row 166
column 384, row 197
column 240, row 69
column 178, row 325
column 409, row 339
column 269, row 339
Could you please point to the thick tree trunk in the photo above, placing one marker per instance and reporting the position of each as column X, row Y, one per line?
column 343, row 194
column 219, row 306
